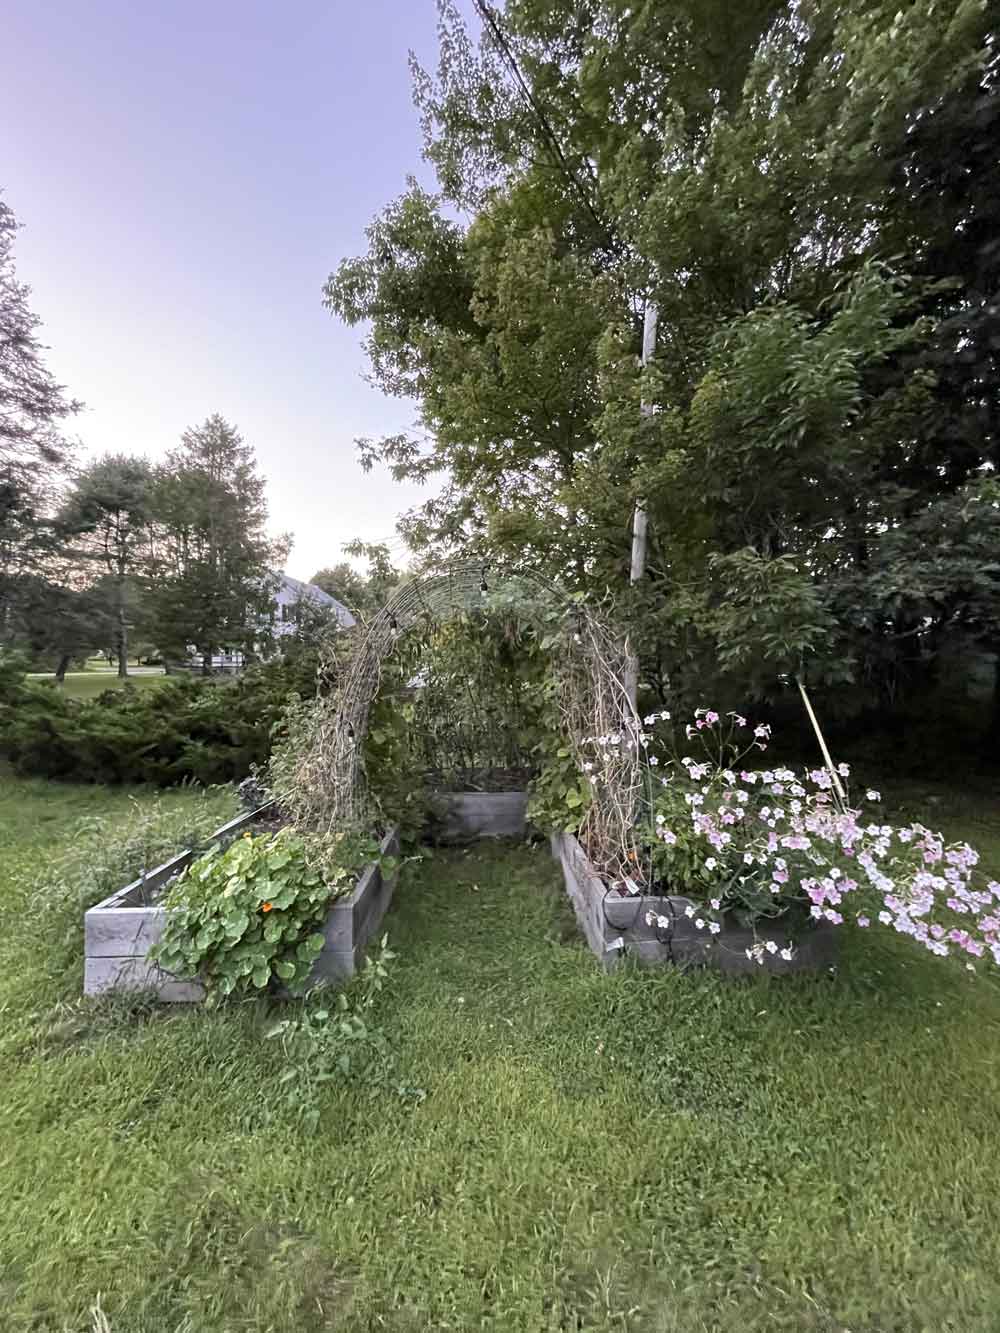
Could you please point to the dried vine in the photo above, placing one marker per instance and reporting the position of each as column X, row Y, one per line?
column 589, row 665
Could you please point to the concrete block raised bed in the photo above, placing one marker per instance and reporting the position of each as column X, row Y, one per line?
column 483, row 814
column 614, row 925
column 119, row 932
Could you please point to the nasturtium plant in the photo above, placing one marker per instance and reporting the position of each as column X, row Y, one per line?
column 250, row 917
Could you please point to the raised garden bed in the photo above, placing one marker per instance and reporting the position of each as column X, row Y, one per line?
column 615, row 927
column 466, row 815
column 120, row 931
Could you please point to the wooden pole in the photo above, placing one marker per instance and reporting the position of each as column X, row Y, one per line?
column 639, row 522
column 822, row 743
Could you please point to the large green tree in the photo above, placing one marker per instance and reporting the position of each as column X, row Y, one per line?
column 214, row 567
column 806, row 192
column 109, row 515
column 363, row 592
column 33, row 454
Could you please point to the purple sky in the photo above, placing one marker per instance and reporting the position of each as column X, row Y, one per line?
column 187, row 174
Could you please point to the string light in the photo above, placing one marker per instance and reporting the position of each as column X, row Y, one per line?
column 393, row 622
column 483, row 585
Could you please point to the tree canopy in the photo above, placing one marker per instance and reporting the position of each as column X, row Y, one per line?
column 33, row 453
column 215, row 568
column 809, row 194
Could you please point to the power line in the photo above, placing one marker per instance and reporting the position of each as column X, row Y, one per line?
column 548, row 133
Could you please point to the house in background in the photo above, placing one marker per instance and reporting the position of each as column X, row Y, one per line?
column 291, row 594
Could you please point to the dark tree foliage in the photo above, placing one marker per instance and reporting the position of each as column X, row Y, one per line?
column 108, row 514
column 809, row 193
column 214, row 568
column 32, row 452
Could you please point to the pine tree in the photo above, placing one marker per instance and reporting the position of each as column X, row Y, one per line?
column 214, row 565
column 108, row 514
column 32, row 453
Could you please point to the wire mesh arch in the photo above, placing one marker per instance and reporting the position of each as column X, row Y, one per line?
column 589, row 663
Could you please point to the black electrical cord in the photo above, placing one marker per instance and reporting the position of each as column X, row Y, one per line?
column 609, row 235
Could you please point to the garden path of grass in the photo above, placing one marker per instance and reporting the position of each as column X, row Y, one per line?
column 91, row 684
column 567, row 1151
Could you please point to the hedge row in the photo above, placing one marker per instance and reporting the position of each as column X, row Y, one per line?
column 188, row 729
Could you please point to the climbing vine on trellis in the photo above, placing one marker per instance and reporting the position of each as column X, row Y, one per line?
column 588, row 665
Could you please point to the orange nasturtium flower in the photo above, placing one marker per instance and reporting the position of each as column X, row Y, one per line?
column 266, row 907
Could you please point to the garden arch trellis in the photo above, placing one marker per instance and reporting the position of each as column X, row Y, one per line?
column 589, row 663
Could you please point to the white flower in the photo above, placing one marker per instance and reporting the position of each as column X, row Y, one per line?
column 689, row 910
column 711, row 863
column 649, row 721
column 771, row 947
column 786, row 954
column 885, row 918
column 715, row 904
column 653, row 760
column 748, row 952
column 871, row 795
column 699, row 924
column 664, row 716
column 714, row 927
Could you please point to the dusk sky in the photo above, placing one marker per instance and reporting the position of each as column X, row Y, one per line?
column 187, row 175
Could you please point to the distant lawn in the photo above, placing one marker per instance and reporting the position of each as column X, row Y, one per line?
column 557, row 1150
column 89, row 684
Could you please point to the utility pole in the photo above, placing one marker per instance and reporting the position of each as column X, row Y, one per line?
column 638, row 568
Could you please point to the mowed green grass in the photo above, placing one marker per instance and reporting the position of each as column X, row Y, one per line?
column 569, row 1151
column 89, row 684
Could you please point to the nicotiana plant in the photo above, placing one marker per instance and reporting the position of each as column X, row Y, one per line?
column 754, row 844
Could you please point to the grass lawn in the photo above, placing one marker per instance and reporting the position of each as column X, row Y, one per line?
column 572, row 1151
column 89, row 684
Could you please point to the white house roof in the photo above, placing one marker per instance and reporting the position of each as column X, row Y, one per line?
column 294, row 590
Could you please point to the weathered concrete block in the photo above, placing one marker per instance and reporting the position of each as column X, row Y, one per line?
column 615, row 927
column 484, row 814
column 121, row 975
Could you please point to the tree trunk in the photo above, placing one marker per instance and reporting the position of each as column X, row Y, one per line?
column 206, row 662
column 122, row 626
column 61, row 668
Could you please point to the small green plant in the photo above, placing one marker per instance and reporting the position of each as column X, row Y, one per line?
column 559, row 796
column 249, row 918
column 335, row 1041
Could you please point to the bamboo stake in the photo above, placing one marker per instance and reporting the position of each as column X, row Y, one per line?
column 822, row 743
